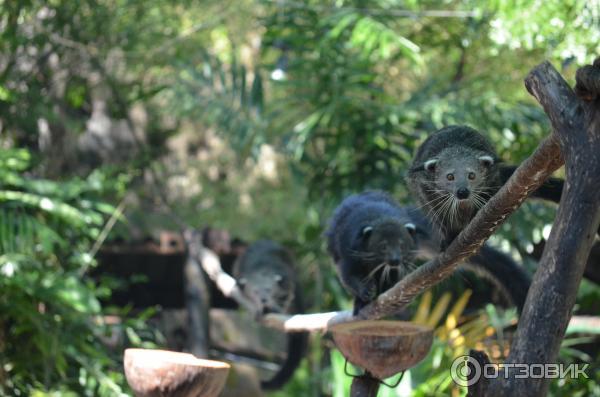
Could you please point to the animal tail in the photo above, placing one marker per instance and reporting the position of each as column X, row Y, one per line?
column 502, row 270
column 551, row 190
column 297, row 343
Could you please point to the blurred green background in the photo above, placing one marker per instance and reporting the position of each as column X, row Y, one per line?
column 257, row 117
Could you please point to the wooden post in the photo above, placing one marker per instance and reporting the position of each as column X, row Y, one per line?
column 364, row 386
column 197, row 298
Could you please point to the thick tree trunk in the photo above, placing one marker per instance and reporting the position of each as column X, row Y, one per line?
column 552, row 294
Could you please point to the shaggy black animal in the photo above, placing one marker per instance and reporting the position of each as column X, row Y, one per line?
column 370, row 244
column 265, row 273
column 454, row 173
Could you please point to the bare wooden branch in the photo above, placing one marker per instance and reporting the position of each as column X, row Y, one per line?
column 307, row 322
column 553, row 291
column 212, row 266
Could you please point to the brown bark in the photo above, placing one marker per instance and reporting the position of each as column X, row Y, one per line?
column 550, row 300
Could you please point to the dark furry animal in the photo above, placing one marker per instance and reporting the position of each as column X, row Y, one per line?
column 265, row 272
column 454, row 173
column 370, row 244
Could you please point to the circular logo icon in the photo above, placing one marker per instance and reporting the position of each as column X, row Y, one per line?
column 464, row 374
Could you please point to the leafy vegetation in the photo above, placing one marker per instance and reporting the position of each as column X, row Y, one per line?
column 256, row 116
column 52, row 329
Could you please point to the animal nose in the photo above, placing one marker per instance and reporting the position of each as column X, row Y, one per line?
column 462, row 193
column 395, row 260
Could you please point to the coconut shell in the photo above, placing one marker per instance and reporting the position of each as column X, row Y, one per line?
column 383, row 348
column 162, row 373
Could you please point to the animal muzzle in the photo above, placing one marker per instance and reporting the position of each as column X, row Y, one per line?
column 395, row 260
column 463, row 193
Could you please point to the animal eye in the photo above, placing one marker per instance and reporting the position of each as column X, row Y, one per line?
column 450, row 177
column 471, row 175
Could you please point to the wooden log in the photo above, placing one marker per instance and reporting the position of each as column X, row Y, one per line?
column 162, row 373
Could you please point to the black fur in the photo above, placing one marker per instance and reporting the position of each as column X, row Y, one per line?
column 551, row 190
column 364, row 233
column 266, row 275
column 454, row 172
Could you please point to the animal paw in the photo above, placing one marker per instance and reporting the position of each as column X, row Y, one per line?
column 368, row 293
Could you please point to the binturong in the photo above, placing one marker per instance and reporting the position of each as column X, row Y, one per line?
column 266, row 274
column 454, row 173
column 372, row 247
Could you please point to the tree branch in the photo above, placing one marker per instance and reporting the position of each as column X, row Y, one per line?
column 211, row 265
column 552, row 294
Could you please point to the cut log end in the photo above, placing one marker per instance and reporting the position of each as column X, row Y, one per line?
column 383, row 348
column 165, row 373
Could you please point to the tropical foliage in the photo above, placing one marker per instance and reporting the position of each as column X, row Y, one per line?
column 257, row 116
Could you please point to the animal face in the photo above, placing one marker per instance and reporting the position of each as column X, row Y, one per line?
column 269, row 291
column 461, row 176
column 390, row 242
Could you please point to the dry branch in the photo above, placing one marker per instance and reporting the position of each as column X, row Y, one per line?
column 210, row 263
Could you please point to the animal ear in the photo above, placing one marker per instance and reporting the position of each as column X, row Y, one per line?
column 242, row 282
column 366, row 231
column 486, row 161
column 412, row 229
column 429, row 165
